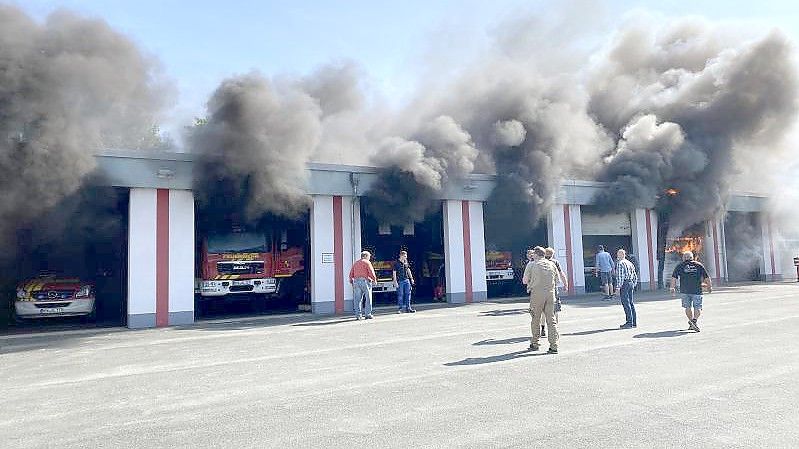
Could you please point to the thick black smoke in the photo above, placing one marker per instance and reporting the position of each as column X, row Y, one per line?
column 254, row 147
column 414, row 171
column 68, row 87
column 687, row 103
column 260, row 134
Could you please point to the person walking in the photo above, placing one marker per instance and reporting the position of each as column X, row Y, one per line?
column 362, row 278
column 540, row 276
column 626, row 279
column 403, row 282
column 603, row 267
column 692, row 276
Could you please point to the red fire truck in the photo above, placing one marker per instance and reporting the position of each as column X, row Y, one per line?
column 243, row 262
column 499, row 271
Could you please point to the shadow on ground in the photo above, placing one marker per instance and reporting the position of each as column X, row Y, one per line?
column 591, row 332
column 664, row 334
column 505, row 312
column 506, row 341
column 495, row 358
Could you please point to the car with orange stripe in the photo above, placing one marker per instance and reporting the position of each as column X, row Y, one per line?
column 50, row 295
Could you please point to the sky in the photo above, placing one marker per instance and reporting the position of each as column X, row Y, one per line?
column 201, row 42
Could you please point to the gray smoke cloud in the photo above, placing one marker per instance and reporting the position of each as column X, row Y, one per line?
column 414, row 171
column 68, row 87
column 702, row 100
column 254, row 147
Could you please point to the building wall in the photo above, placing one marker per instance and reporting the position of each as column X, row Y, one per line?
column 335, row 245
column 464, row 251
column 160, row 258
column 564, row 227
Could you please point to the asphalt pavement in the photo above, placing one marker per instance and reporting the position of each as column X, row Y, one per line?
column 445, row 376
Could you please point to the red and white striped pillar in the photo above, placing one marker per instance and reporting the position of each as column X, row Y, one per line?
column 565, row 235
column 335, row 246
column 160, row 258
column 464, row 251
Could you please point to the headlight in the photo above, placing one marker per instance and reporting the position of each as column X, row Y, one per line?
column 21, row 293
column 84, row 292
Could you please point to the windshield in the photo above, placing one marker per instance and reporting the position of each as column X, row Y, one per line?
column 245, row 242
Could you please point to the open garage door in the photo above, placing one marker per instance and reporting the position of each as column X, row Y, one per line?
column 613, row 231
column 68, row 268
column 424, row 242
column 244, row 269
column 744, row 243
column 507, row 243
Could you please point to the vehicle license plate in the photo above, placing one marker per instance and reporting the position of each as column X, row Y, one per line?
column 241, row 283
column 50, row 310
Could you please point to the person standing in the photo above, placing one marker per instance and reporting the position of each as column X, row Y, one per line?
column 603, row 267
column 524, row 282
column 540, row 276
column 362, row 278
column 692, row 275
column 549, row 254
column 626, row 279
column 403, row 281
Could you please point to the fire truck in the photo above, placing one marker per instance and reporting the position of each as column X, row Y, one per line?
column 499, row 271
column 242, row 263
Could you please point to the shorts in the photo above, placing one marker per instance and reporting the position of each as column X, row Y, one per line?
column 689, row 301
column 605, row 278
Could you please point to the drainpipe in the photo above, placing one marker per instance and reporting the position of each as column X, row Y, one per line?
column 354, row 181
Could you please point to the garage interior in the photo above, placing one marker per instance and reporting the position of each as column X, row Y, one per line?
column 279, row 236
column 84, row 237
column 424, row 242
column 744, row 243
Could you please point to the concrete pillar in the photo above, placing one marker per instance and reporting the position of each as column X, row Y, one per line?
column 772, row 271
column 644, row 238
column 464, row 251
column 160, row 258
column 713, row 260
column 335, row 245
column 565, row 234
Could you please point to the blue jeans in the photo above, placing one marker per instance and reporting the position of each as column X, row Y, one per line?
column 626, row 297
column 404, row 294
column 361, row 288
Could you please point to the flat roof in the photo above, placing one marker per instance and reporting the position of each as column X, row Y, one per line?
column 174, row 170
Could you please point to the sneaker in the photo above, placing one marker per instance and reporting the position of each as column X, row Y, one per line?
column 696, row 326
column 690, row 325
column 411, row 310
column 369, row 317
column 400, row 311
column 358, row 317
column 552, row 351
column 626, row 326
column 532, row 347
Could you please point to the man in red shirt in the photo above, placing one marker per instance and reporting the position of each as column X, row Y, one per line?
column 362, row 277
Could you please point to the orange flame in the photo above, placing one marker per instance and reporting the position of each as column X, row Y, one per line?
column 672, row 192
column 683, row 244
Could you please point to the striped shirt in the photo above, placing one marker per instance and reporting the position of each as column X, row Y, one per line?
column 625, row 272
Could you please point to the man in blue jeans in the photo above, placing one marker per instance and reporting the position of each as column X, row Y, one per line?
column 403, row 281
column 692, row 276
column 603, row 268
column 626, row 279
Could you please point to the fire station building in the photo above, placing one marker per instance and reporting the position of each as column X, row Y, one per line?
column 161, row 236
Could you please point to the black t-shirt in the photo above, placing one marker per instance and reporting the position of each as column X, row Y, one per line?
column 690, row 273
column 403, row 271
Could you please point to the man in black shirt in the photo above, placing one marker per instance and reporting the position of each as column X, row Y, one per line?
column 692, row 276
column 403, row 281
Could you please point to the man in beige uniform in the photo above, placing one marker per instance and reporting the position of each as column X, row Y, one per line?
column 541, row 276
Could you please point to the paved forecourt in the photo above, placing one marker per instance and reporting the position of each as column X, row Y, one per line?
column 443, row 377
